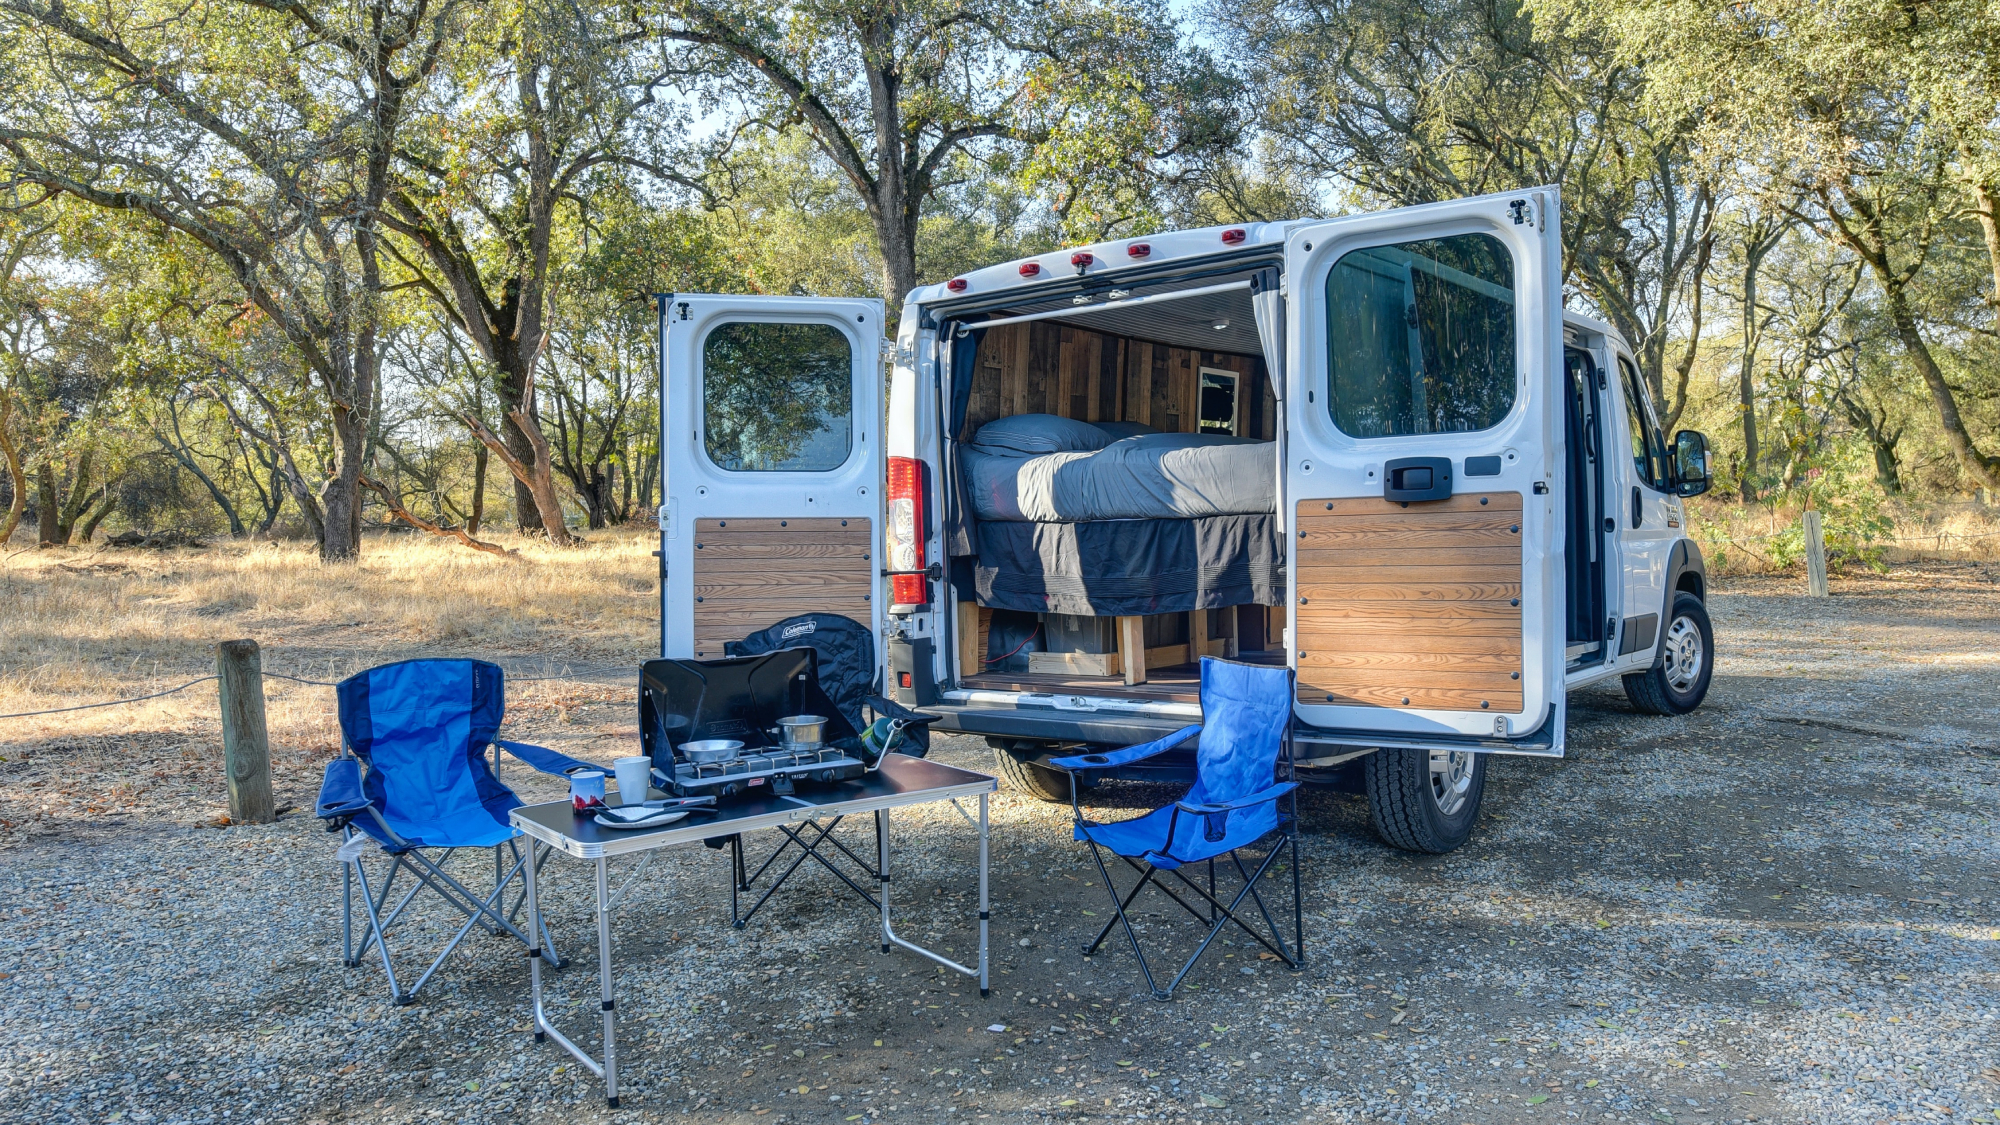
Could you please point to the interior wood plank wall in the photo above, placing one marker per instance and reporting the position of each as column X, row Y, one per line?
column 1041, row 367
column 752, row 573
column 1411, row 607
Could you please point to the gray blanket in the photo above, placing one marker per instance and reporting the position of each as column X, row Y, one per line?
column 1153, row 476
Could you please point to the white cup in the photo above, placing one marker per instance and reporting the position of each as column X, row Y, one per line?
column 635, row 774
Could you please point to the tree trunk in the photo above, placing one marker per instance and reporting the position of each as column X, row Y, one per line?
column 479, row 456
column 340, row 496
column 18, row 502
column 1986, row 204
column 104, row 506
column 1869, row 244
column 1983, row 468
column 47, row 514
column 1746, row 382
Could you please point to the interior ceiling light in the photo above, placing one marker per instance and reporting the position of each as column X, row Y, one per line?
column 1222, row 324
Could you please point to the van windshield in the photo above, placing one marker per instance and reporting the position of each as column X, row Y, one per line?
column 1420, row 337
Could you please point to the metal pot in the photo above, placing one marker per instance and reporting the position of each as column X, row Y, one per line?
column 803, row 732
column 709, row 751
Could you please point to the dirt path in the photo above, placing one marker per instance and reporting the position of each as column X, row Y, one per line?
column 1780, row 908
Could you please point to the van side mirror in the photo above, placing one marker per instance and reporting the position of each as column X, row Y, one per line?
column 1690, row 463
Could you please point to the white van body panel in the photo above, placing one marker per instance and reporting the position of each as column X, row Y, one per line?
column 698, row 489
column 1324, row 462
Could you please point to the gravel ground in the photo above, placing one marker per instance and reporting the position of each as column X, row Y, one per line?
column 1780, row 908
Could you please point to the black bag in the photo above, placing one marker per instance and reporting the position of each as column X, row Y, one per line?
column 846, row 650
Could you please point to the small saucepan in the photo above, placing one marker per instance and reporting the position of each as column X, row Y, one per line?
column 803, row 730
column 709, row 751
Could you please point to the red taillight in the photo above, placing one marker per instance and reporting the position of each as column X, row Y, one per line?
column 1082, row 259
column 1138, row 250
column 906, row 537
column 1234, row 235
column 958, row 285
column 1030, row 269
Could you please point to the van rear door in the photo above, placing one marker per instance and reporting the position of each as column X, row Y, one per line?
column 771, row 450
column 1421, row 479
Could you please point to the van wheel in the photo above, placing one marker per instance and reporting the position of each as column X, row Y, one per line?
column 1024, row 775
column 1687, row 665
column 1424, row 801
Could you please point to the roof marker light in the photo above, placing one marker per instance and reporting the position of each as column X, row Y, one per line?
column 958, row 285
column 1234, row 235
column 1137, row 249
column 1082, row 259
column 1031, row 269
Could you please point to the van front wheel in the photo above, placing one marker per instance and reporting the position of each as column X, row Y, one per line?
column 1424, row 801
column 1687, row 663
column 1024, row 775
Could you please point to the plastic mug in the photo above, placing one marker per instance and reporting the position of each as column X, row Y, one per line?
column 586, row 789
column 635, row 775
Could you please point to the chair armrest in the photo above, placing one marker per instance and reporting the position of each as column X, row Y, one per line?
column 340, row 793
column 1261, row 797
column 546, row 760
column 1130, row 754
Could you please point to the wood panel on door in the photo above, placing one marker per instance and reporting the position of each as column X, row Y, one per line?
column 1412, row 606
column 750, row 574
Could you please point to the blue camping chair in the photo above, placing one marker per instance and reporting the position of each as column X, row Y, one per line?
column 1243, row 793
column 413, row 779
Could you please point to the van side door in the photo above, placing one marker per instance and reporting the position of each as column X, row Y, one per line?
column 1649, row 522
column 771, row 453
column 1424, row 429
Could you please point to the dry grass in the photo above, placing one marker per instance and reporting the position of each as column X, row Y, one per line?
column 83, row 625
column 1744, row 540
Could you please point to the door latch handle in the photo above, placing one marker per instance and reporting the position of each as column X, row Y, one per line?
column 1638, row 512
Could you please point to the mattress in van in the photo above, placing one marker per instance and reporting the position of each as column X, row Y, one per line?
column 1130, row 567
column 1147, row 477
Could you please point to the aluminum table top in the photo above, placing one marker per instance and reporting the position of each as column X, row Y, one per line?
column 901, row 781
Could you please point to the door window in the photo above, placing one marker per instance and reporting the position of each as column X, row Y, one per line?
column 777, row 397
column 1649, row 448
column 1420, row 337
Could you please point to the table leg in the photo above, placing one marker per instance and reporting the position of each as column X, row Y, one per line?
column 882, row 848
column 605, row 1002
column 985, row 910
column 537, row 933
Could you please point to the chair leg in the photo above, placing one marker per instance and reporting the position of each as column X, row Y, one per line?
column 1277, row 934
column 347, row 916
column 1298, row 907
column 1091, row 949
column 1229, row 915
column 1118, row 907
column 375, row 926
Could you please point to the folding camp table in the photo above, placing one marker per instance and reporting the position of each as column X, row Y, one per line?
column 559, row 828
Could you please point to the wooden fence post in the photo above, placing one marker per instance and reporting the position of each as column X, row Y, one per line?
column 246, row 744
column 1815, row 557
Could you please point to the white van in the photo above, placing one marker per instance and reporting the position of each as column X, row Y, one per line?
column 1374, row 449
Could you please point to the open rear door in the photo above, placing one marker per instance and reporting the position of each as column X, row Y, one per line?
column 771, row 453
column 1421, row 477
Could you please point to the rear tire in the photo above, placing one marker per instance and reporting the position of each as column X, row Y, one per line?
column 1024, row 775
column 1681, row 681
column 1423, row 801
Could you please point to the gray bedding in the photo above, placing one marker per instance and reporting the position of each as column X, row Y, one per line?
column 1150, row 476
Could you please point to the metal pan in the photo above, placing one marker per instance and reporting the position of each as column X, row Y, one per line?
column 709, row 751
column 803, row 730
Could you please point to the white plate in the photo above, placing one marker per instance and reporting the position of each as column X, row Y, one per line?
column 667, row 816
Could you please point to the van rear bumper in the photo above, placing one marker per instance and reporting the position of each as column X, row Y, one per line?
column 1315, row 745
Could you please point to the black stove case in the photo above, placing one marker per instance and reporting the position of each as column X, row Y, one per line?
column 741, row 698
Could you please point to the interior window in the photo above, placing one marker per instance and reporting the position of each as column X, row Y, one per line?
column 1420, row 337
column 1649, row 446
column 1218, row 401
column 777, row 397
